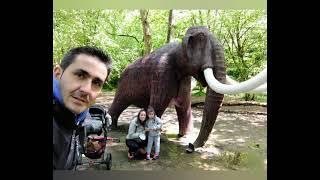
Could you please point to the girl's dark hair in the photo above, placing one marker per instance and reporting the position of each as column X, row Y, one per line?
column 138, row 117
column 150, row 109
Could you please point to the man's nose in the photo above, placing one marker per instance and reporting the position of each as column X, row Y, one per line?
column 86, row 86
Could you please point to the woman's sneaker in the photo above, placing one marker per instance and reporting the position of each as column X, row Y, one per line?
column 148, row 157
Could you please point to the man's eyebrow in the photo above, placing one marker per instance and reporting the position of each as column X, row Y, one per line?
column 88, row 74
column 82, row 72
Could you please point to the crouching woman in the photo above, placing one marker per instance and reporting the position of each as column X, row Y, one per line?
column 136, row 138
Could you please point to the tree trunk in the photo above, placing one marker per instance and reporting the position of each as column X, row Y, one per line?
column 208, row 20
column 146, row 31
column 194, row 20
column 169, row 35
column 200, row 17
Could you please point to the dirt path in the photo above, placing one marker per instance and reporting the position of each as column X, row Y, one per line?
column 238, row 141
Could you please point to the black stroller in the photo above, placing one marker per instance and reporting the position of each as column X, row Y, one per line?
column 96, row 139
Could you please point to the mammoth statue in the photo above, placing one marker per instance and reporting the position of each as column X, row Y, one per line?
column 164, row 76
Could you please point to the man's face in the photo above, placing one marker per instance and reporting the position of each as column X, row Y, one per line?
column 81, row 82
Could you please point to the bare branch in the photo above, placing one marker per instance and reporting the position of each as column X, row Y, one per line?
column 246, row 31
column 124, row 35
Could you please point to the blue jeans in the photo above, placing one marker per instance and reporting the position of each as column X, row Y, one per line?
column 153, row 140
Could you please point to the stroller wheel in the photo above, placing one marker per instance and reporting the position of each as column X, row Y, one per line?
column 108, row 161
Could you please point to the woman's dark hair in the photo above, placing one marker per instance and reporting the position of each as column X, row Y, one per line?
column 138, row 117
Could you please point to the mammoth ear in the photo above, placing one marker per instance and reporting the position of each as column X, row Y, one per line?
column 190, row 46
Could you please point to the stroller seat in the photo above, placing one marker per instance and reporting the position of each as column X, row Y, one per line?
column 95, row 132
column 95, row 147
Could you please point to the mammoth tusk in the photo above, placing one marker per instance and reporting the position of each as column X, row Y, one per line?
column 230, row 81
column 242, row 87
column 261, row 89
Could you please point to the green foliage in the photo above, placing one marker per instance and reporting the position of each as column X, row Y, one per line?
column 198, row 90
column 262, row 97
column 245, row 43
column 120, row 34
column 243, row 34
column 159, row 27
column 117, row 32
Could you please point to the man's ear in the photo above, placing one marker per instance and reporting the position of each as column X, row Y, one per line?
column 57, row 72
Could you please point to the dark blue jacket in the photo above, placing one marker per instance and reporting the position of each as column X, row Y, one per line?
column 68, row 133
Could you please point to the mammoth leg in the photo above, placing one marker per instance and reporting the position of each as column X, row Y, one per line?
column 159, row 104
column 161, row 93
column 211, row 109
column 183, row 107
column 119, row 104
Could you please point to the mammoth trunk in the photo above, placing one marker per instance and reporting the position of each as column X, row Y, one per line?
column 211, row 109
column 213, row 99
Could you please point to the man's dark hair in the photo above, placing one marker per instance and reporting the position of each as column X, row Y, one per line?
column 71, row 55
